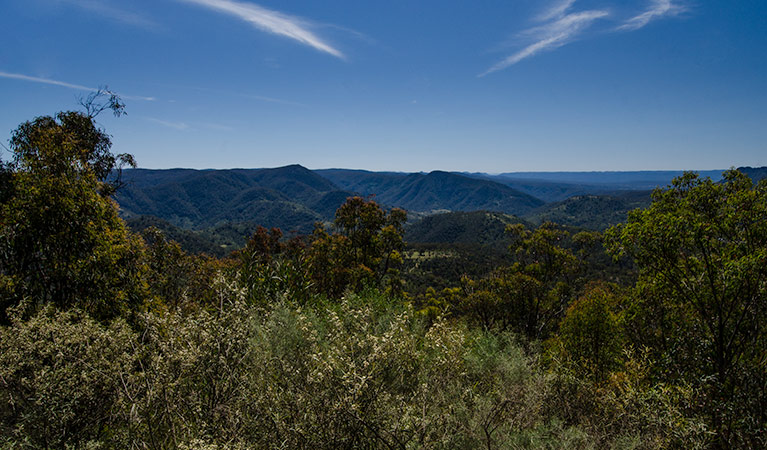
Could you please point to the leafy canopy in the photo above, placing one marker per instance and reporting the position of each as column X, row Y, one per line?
column 61, row 239
column 701, row 299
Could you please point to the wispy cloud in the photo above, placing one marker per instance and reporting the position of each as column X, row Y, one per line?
column 79, row 87
column 559, row 26
column 561, row 29
column 658, row 9
column 175, row 125
column 105, row 9
column 183, row 126
column 18, row 76
column 557, row 9
column 271, row 21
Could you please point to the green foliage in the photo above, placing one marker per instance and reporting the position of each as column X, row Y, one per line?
column 470, row 228
column 213, row 242
column 269, row 268
column 61, row 380
column 6, row 182
column 541, row 252
column 701, row 299
column 590, row 338
column 533, row 293
column 61, row 240
column 176, row 279
column 530, row 296
column 193, row 377
column 593, row 212
column 363, row 253
column 628, row 410
column 71, row 142
column 362, row 372
column 441, row 266
column 109, row 340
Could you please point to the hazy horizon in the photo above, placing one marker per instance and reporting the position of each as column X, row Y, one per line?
column 442, row 170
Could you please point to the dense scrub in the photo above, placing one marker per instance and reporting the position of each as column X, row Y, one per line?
column 363, row 372
column 109, row 339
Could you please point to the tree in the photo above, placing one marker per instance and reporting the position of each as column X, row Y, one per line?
column 375, row 237
column 363, row 252
column 529, row 296
column 541, row 281
column 61, row 239
column 590, row 337
column 701, row 298
column 71, row 143
column 269, row 267
column 177, row 280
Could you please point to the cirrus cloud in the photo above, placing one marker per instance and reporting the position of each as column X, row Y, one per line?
column 108, row 10
column 560, row 26
column 561, row 31
column 272, row 22
column 79, row 87
column 658, row 9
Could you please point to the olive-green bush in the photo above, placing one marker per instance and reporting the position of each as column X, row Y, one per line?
column 364, row 372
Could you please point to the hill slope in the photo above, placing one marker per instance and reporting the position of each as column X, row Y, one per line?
column 222, row 206
column 434, row 191
column 755, row 173
column 476, row 227
column 595, row 212
column 290, row 197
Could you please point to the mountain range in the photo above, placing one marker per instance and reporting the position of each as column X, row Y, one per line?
column 194, row 205
column 434, row 191
column 290, row 197
column 294, row 197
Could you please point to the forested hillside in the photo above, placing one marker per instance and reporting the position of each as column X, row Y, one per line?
column 558, row 186
column 295, row 198
column 290, row 197
column 477, row 227
column 434, row 191
column 755, row 173
column 594, row 212
column 222, row 207
column 648, row 335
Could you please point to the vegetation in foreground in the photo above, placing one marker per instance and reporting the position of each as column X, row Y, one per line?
column 114, row 340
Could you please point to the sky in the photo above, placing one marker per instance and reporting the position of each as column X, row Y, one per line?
column 402, row 85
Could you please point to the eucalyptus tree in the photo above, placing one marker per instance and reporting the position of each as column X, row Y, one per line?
column 61, row 239
column 700, row 304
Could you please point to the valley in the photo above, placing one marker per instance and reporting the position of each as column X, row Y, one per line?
column 214, row 211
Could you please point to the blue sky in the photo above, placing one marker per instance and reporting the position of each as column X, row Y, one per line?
column 408, row 85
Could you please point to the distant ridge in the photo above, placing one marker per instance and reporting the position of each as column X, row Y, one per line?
column 435, row 191
column 755, row 173
column 639, row 179
column 558, row 186
column 229, row 204
column 290, row 197
column 294, row 197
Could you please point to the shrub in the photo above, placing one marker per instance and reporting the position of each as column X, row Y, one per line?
column 62, row 378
